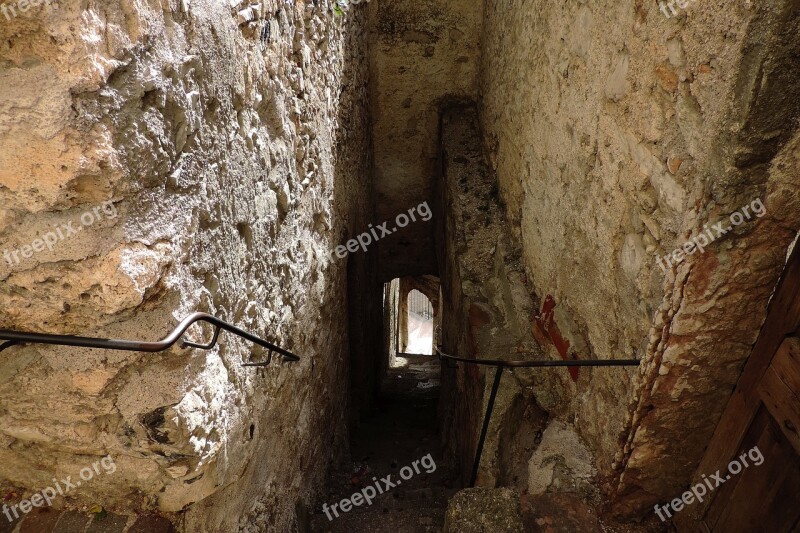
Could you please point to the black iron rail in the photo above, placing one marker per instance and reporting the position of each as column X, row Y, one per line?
column 19, row 337
column 502, row 365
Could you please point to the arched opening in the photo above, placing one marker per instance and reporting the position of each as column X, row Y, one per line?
column 419, row 325
column 412, row 319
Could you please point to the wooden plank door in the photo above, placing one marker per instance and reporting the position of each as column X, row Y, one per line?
column 762, row 418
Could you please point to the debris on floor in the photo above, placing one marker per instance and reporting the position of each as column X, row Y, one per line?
column 482, row 510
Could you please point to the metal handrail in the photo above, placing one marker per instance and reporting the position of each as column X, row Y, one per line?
column 538, row 364
column 19, row 337
column 502, row 365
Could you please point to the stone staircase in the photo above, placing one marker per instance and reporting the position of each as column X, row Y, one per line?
column 401, row 430
column 412, row 511
column 50, row 520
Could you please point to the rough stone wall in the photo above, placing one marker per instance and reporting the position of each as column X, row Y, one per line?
column 423, row 54
column 617, row 134
column 487, row 307
column 231, row 141
column 391, row 305
column 365, row 312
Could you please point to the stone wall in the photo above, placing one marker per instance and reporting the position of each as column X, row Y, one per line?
column 616, row 134
column 231, row 142
column 487, row 309
column 424, row 55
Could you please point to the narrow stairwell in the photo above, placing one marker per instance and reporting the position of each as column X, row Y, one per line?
column 397, row 439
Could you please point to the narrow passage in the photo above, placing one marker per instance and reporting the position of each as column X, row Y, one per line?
column 402, row 429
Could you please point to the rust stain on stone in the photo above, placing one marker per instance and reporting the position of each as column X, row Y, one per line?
column 667, row 78
column 702, row 271
column 674, row 164
column 546, row 331
column 477, row 319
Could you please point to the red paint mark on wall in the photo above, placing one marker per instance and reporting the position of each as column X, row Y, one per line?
column 546, row 331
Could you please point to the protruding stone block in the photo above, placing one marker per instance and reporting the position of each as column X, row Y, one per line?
column 484, row 511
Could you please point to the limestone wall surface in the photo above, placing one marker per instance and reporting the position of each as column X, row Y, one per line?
column 424, row 55
column 487, row 308
column 617, row 133
column 225, row 145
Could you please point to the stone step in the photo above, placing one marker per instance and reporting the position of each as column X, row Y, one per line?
column 53, row 521
column 414, row 519
column 484, row 510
